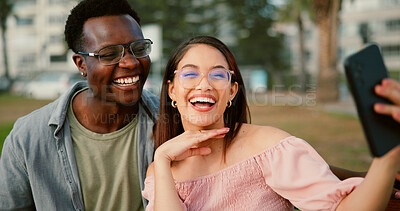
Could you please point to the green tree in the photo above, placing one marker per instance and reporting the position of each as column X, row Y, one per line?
column 179, row 19
column 326, row 16
column 292, row 11
column 257, row 43
column 5, row 11
column 250, row 23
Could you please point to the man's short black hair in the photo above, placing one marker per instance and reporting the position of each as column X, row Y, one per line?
column 89, row 9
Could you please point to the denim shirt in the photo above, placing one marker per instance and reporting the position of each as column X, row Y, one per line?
column 37, row 165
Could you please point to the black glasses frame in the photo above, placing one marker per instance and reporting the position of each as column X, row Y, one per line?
column 125, row 45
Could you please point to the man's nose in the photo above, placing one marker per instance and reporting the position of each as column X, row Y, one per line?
column 128, row 60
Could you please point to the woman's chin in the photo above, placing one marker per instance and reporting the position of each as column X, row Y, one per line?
column 204, row 121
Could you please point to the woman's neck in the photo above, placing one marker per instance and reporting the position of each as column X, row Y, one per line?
column 188, row 126
column 215, row 144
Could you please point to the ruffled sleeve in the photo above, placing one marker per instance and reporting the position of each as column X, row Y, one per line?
column 148, row 193
column 294, row 170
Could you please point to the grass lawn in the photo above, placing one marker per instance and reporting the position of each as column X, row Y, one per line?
column 4, row 131
column 12, row 107
column 338, row 138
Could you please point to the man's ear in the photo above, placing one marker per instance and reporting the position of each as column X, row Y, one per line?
column 233, row 91
column 80, row 62
column 171, row 90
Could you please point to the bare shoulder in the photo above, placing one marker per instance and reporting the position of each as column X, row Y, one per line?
column 150, row 170
column 263, row 137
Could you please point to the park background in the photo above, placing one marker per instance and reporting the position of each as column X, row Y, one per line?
column 290, row 53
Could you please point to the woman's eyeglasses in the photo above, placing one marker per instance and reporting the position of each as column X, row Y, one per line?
column 218, row 78
column 114, row 53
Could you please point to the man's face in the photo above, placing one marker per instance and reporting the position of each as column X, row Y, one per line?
column 121, row 83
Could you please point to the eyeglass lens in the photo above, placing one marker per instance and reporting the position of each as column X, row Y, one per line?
column 113, row 54
column 190, row 78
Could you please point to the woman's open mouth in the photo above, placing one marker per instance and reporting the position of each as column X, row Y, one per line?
column 202, row 103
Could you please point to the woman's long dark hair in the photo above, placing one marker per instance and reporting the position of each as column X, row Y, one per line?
column 169, row 122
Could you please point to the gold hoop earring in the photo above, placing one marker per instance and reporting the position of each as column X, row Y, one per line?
column 174, row 104
column 229, row 104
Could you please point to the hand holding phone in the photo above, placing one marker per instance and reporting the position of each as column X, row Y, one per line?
column 389, row 89
column 364, row 70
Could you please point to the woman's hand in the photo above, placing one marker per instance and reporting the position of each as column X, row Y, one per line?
column 178, row 148
column 185, row 145
column 389, row 89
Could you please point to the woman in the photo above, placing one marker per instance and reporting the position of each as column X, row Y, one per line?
column 209, row 158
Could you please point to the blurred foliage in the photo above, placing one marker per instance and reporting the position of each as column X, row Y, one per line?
column 248, row 23
column 257, row 42
column 5, row 10
column 179, row 19
column 4, row 131
column 294, row 11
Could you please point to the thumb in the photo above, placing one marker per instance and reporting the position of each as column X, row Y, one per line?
column 200, row 151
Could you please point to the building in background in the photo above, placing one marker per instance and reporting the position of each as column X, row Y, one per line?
column 35, row 37
column 36, row 43
column 371, row 21
column 361, row 21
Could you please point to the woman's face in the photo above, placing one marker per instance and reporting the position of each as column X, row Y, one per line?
column 202, row 104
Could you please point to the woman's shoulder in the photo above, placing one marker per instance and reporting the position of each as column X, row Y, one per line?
column 150, row 170
column 259, row 138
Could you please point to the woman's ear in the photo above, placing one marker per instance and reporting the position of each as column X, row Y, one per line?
column 171, row 90
column 233, row 91
column 80, row 62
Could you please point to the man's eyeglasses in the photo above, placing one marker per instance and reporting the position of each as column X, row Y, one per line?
column 113, row 54
column 218, row 78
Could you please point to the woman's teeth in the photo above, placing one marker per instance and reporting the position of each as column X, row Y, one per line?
column 202, row 102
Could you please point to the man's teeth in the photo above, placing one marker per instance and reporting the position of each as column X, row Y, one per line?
column 127, row 81
column 202, row 100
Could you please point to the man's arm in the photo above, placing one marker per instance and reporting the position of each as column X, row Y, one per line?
column 15, row 193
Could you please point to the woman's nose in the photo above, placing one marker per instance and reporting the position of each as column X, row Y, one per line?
column 204, row 83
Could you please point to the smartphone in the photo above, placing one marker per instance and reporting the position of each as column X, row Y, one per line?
column 364, row 70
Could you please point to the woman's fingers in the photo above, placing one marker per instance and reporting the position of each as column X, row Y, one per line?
column 203, row 135
column 199, row 151
column 389, row 89
column 390, row 110
column 186, row 144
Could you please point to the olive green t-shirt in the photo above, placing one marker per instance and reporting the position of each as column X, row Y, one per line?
column 107, row 166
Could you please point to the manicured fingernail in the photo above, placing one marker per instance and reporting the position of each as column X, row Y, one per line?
column 386, row 81
column 225, row 129
column 379, row 89
column 397, row 195
column 379, row 106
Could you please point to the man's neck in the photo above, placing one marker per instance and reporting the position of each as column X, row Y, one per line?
column 100, row 116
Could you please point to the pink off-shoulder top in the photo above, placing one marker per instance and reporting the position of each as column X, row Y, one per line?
column 291, row 172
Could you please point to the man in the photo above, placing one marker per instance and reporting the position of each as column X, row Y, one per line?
column 90, row 148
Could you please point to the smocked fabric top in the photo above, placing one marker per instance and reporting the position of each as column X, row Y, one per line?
column 291, row 172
